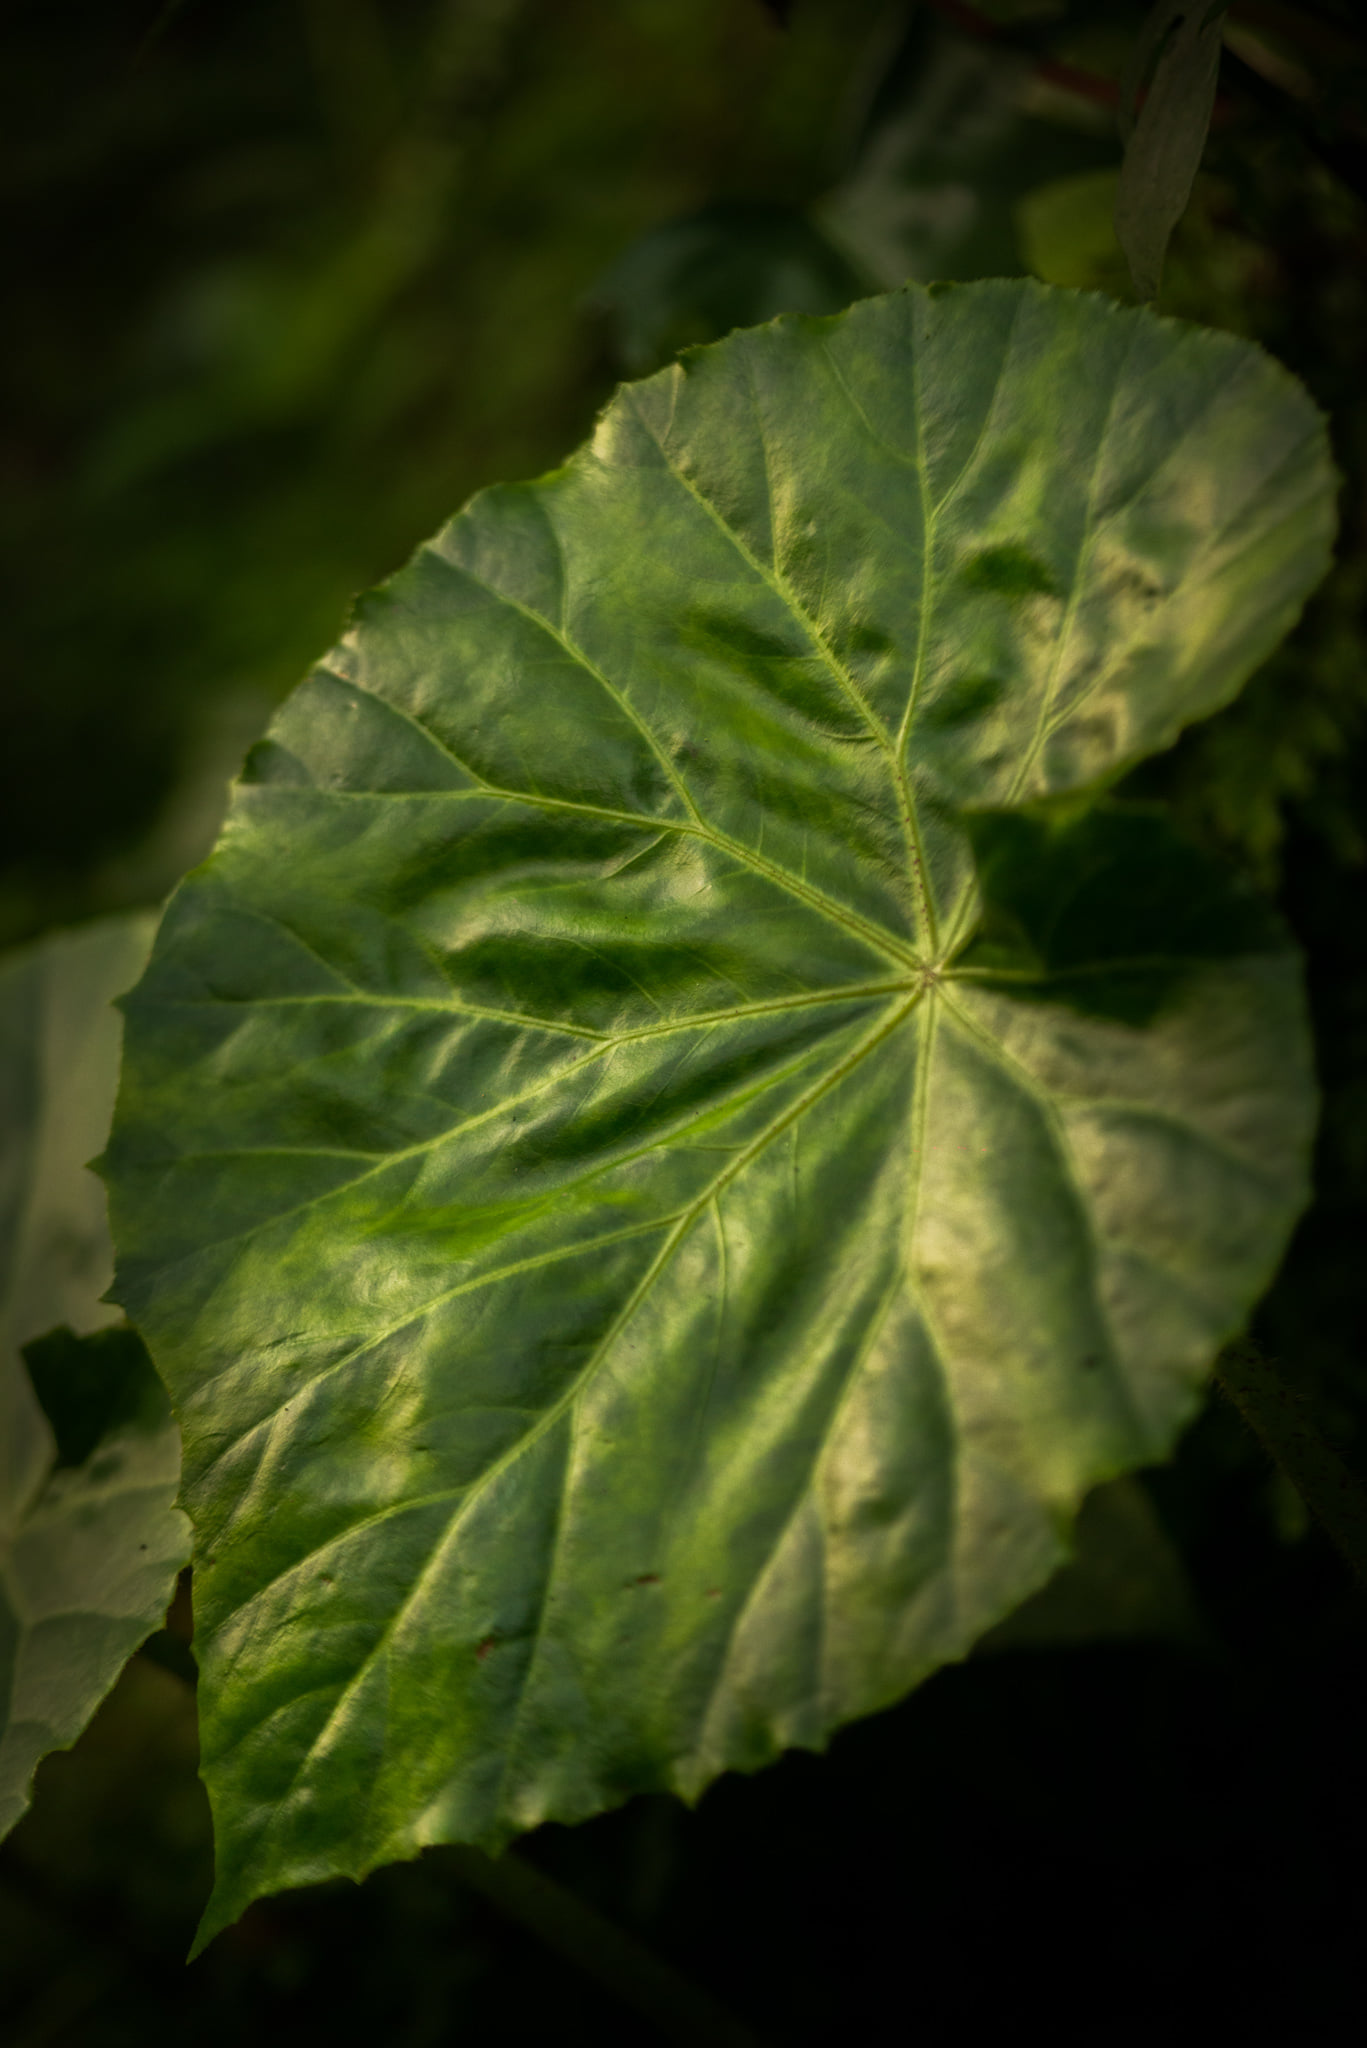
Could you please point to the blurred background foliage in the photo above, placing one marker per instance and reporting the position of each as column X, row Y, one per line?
column 287, row 280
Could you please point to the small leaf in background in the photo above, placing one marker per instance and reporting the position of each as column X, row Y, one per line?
column 90, row 1539
column 94, row 1386
column 658, row 1162
column 1175, row 65
column 952, row 142
column 1067, row 233
column 1125, row 1582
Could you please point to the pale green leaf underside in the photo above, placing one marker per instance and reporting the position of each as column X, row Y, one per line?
column 88, row 1557
column 637, row 1291
column 84, row 1580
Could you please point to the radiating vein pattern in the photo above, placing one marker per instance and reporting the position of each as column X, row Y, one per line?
column 655, row 1189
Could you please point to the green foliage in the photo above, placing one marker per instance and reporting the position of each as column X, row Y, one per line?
column 285, row 287
column 955, row 140
column 288, row 278
column 90, row 1542
column 1166, row 102
column 675, row 1139
column 1125, row 1582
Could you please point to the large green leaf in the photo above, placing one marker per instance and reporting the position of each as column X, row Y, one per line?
column 90, row 1539
column 647, row 1254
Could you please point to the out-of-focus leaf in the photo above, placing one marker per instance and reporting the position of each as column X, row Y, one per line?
column 59, row 1056
column 949, row 150
column 937, row 169
column 733, row 264
column 1297, row 723
column 1067, row 233
column 59, row 1070
column 90, row 1541
column 94, row 1386
column 658, row 1175
column 1177, row 58
column 1125, row 1582
column 86, row 1575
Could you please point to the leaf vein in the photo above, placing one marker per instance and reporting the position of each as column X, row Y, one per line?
column 565, row 1401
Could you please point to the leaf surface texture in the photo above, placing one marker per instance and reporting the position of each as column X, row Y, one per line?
column 675, row 1138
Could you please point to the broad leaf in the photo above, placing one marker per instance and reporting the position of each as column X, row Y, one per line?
column 90, row 1541
column 647, row 1255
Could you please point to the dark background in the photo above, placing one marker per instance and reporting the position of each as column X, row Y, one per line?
column 285, row 281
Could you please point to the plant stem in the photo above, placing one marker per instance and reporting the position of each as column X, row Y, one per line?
column 1281, row 1418
column 678, row 2009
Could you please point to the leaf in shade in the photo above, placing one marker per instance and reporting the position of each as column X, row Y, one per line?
column 1177, row 61
column 731, row 264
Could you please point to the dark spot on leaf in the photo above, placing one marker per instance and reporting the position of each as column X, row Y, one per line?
column 484, row 1648
column 1092, row 1359
column 327, row 1578
column 268, row 761
column 714, row 1592
column 647, row 1579
column 1009, row 571
column 960, row 701
column 1130, row 580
